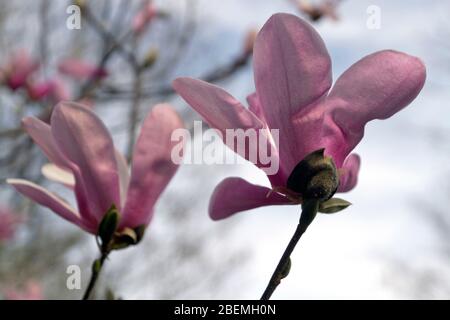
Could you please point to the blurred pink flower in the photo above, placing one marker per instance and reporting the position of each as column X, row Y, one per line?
column 17, row 71
column 84, row 159
column 292, row 71
column 81, row 70
column 60, row 90
column 55, row 88
column 9, row 221
column 32, row 291
column 143, row 18
column 39, row 90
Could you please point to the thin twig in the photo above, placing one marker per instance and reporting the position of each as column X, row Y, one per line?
column 218, row 74
column 309, row 212
column 134, row 113
column 96, row 268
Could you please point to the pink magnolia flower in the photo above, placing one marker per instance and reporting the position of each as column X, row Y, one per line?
column 39, row 90
column 9, row 221
column 83, row 158
column 54, row 88
column 59, row 90
column 32, row 291
column 143, row 18
column 81, row 70
column 19, row 69
column 293, row 77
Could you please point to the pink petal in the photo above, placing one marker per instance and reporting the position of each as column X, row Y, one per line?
column 84, row 139
column 81, row 70
column 21, row 67
column 278, row 179
column 292, row 72
column 255, row 106
column 152, row 167
column 32, row 291
column 143, row 17
column 41, row 134
column 348, row 174
column 376, row 87
column 233, row 195
column 39, row 90
column 215, row 105
column 9, row 222
column 60, row 90
column 222, row 111
column 51, row 201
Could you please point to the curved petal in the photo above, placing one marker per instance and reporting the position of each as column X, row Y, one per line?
column 41, row 134
column 152, row 166
column 218, row 108
column 55, row 173
column 348, row 174
column 85, row 141
column 80, row 70
column 51, row 201
column 255, row 106
column 278, row 179
column 224, row 113
column 292, row 72
column 233, row 195
column 376, row 87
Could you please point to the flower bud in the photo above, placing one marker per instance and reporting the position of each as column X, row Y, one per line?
column 315, row 177
column 140, row 231
column 124, row 239
column 150, row 58
column 249, row 41
column 286, row 269
column 80, row 3
column 96, row 266
column 108, row 226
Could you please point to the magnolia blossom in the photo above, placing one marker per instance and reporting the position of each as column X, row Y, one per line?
column 83, row 159
column 55, row 89
column 292, row 72
column 81, row 70
column 18, row 70
column 8, row 223
column 59, row 90
column 39, row 90
column 143, row 18
column 31, row 291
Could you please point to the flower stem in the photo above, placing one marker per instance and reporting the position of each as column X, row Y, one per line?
column 309, row 211
column 96, row 268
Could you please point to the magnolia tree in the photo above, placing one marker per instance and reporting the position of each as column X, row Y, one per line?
column 114, row 58
column 96, row 119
